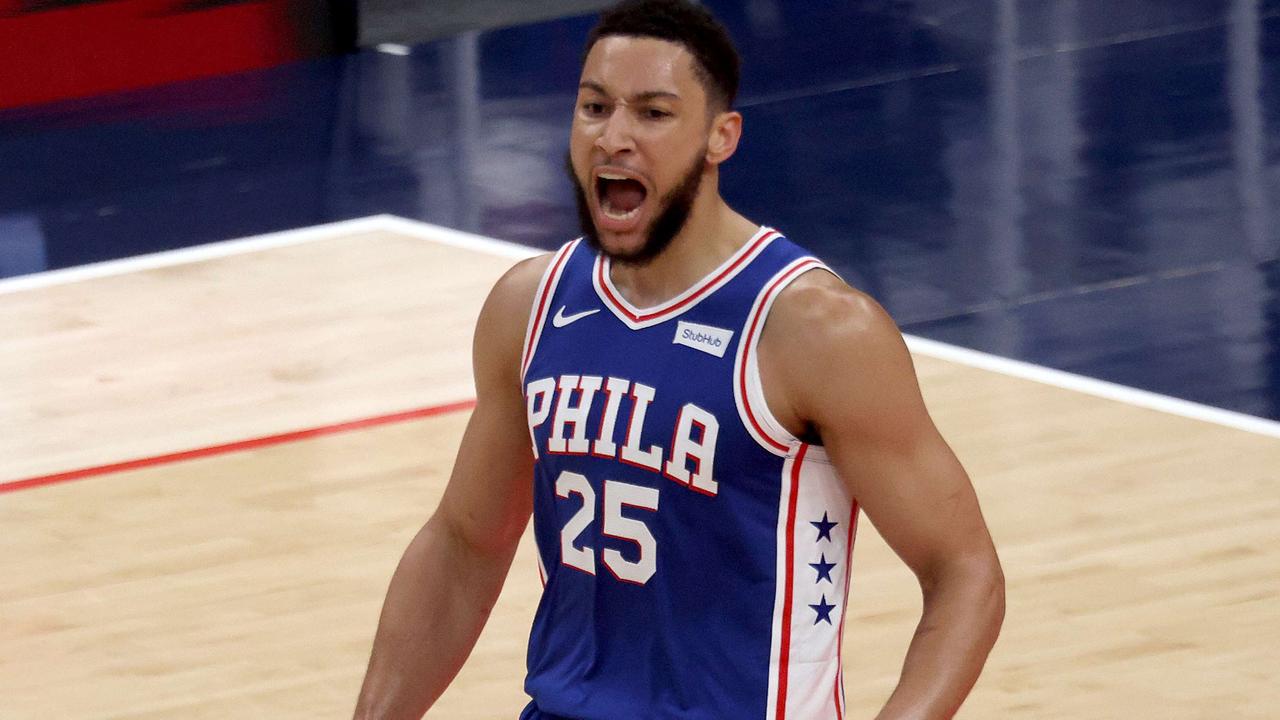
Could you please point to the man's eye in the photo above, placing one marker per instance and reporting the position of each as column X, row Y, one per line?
column 593, row 108
column 655, row 114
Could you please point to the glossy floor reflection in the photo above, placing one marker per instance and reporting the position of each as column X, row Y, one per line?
column 1088, row 185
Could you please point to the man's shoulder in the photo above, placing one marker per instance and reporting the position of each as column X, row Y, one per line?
column 819, row 308
column 826, row 349
column 836, row 357
column 519, row 283
column 501, row 326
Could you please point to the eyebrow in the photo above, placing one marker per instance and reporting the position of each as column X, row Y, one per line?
column 641, row 97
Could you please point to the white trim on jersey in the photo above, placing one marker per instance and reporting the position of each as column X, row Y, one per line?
column 640, row 318
column 542, row 567
column 542, row 304
column 816, row 521
column 533, row 333
column 538, row 318
column 748, row 391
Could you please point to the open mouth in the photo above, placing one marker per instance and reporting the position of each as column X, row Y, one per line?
column 620, row 197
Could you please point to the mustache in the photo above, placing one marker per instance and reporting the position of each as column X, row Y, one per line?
column 674, row 209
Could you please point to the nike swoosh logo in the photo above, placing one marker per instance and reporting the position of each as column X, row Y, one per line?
column 560, row 320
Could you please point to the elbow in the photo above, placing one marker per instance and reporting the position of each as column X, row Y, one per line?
column 492, row 544
column 987, row 581
column 995, row 593
column 985, row 578
column 978, row 579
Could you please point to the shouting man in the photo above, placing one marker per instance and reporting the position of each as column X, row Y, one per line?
column 694, row 411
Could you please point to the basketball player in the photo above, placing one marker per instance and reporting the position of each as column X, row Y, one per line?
column 694, row 411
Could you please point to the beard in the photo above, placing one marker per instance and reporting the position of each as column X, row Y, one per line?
column 673, row 213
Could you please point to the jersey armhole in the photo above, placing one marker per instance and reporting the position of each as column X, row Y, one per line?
column 748, row 389
column 542, row 304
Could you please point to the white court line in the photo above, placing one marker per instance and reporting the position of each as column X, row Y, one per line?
column 480, row 243
column 458, row 238
column 1092, row 386
column 940, row 350
column 180, row 256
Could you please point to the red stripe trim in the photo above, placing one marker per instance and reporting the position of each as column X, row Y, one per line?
column 238, row 446
column 608, row 293
column 544, row 296
column 848, row 573
column 698, row 294
column 749, row 341
column 784, row 652
column 839, row 712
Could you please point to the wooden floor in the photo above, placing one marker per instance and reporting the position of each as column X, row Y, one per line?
column 1141, row 548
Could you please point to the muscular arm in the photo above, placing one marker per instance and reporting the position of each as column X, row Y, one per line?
column 450, row 575
column 847, row 376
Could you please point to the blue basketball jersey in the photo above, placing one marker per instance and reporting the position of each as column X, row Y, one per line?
column 694, row 554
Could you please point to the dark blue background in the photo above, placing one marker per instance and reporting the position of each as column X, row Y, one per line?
column 1084, row 184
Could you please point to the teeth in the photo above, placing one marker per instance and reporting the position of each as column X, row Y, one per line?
column 608, row 211
column 619, row 216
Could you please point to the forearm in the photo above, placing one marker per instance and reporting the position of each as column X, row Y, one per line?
column 438, row 601
column 963, row 611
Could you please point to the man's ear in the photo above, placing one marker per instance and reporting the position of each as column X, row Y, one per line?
column 726, row 130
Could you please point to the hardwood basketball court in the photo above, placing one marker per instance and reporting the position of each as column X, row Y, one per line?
column 244, row 579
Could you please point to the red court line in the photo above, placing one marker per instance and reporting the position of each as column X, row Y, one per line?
column 239, row 445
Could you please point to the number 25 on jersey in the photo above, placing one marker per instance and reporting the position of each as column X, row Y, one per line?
column 616, row 496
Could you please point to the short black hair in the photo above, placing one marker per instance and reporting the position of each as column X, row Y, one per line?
column 680, row 21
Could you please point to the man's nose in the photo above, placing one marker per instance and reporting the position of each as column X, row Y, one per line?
column 616, row 137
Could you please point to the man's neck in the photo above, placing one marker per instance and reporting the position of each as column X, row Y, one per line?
column 713, row 232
